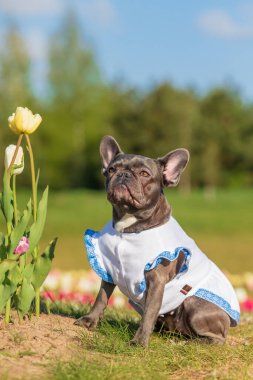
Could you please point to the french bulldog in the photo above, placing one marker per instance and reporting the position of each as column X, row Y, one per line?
column 144, row 251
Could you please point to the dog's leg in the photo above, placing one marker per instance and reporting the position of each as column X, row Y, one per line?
column 204, row 319
column 91, row 319
column 155, row 289
column 155, row 283
column 197, row 318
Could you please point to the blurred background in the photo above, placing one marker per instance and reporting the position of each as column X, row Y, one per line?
column 157, row 76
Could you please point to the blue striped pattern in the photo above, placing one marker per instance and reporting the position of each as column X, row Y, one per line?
column 219, row 301
column 88, row 241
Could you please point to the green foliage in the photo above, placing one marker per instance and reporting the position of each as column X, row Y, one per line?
column 79, row 108
column 15, row 83
column 43, row 265
column 7, row 199
column 76, row 117
column 3, row 246
column 24, row 297
column 7, row 288
column 21, row 276
column 20, row 229
column 6, row 265
column 37, row 227
column 23, row 270
column 15, row 275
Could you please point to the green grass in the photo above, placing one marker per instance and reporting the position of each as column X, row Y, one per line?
column 106, row 354
column 221, row 226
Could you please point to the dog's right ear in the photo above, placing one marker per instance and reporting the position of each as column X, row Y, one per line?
column 109, row 148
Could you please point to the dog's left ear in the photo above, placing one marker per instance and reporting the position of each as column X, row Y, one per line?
column 173, row 164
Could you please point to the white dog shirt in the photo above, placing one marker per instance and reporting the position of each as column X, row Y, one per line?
column 121, row 259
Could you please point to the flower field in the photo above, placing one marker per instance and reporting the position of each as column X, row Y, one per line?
column 77, row 287
column 81, row 287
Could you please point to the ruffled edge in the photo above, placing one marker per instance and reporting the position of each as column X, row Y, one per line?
column 219, row 301
column 170, row 256
column 89, row 236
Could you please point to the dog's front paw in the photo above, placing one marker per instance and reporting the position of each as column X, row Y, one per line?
column 140, row 339
column 87, row 322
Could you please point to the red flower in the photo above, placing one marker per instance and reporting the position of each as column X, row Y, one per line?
column 247, row 305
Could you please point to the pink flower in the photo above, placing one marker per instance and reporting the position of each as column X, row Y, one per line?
column 22, row 246
column 49, row 295
column 247, row 305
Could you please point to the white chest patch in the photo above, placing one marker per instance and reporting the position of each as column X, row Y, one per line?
column 127, row 221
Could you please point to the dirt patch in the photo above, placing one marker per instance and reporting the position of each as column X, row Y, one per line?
column 27, row 349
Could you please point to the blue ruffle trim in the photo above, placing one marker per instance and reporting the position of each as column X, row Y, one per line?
column 88, row 241
column 219, row 301
column 171, row 256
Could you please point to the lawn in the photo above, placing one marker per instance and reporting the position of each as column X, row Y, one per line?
column 51, row 348
column 106, row 354
column 221, row 225
column 56, row 350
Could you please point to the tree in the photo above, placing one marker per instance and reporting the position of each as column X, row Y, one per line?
column 125, row 117
column 221, row 118
column 15, row 86
column 156, row 122
column 78, row 110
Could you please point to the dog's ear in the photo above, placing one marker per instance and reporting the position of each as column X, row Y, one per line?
column 109, row 148
column 172, row 165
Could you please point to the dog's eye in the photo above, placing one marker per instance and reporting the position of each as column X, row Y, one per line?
column 111, row 170
column 143, row 173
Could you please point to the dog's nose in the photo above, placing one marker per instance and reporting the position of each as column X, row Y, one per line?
column 124, row 175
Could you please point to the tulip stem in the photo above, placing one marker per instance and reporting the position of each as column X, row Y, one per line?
column 8, row 303
column 15, row 208
column 34, row 192
column 8, row 311
column 15, row 153
column 14, row 199
column 37, row 302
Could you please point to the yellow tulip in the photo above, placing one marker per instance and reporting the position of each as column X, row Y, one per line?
column 23, row 121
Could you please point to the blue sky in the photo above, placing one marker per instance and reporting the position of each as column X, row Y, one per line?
column 190, row 43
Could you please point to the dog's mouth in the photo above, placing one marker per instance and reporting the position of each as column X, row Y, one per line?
column 122, row 195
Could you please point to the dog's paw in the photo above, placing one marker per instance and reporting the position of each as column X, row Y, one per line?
column 140, row 340
column 87, row 322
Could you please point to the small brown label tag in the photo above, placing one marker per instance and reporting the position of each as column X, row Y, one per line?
column 185, row 289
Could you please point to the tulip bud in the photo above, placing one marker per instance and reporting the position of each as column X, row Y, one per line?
column 22, row 246
column 18, row 165
column 23, row 121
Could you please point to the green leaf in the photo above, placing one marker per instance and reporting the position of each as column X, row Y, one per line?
column 7, row 288
column 37, row 180
column 28, row 271
column 2, row 238
column 3, row 248
column 20, row 228
column 15, row 275
column 25, row 297
column 43, row 265
column 6, row 265
column 7, row 199
column 38, row 227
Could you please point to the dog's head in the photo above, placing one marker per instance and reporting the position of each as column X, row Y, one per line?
column 134, row 183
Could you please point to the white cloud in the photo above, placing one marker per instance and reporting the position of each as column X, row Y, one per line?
column 31, row 7
column 100, row 12
column 218, row 23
